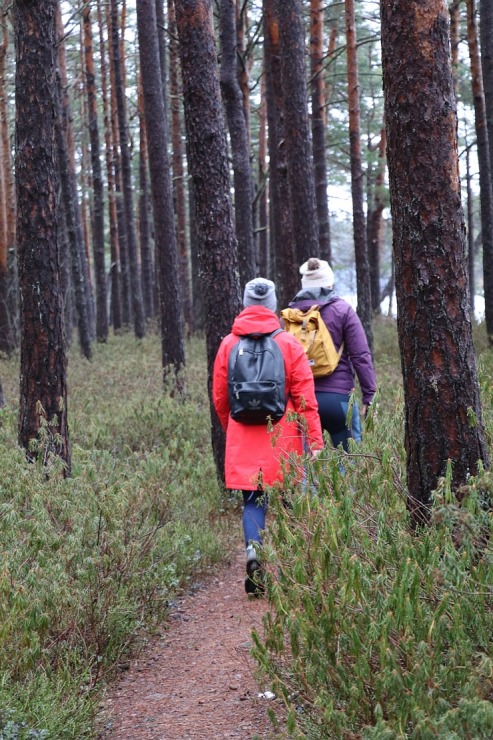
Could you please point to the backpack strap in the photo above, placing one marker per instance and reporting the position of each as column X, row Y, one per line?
column 257, row 335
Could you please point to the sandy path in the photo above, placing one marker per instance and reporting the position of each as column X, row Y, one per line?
column 197, row 679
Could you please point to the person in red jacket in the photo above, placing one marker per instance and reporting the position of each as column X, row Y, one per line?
column 255, row 453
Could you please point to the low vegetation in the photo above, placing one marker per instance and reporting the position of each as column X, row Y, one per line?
column 374, row 632
column 86, row 562
column 377, row 631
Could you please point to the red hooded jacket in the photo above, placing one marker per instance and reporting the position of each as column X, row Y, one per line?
column 254, row 453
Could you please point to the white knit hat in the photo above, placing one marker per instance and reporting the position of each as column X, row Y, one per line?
column 260, row 292
column 316, row 274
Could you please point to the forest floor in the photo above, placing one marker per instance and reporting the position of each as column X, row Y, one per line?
column 197, row 678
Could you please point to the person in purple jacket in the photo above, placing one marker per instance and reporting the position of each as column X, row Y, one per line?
column 333, row 391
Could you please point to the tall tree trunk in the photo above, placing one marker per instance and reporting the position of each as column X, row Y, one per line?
column 331, row 54
column 85, row 185
column 66, row 283
column 454, row 11
column 210, row 181
column 75, row 238
column 43, row 365
column 179, row 198
column 7, row 208
column 441, row 391
column 242, row 172
column 162, row 32
column 69, row 135
column 115, row 305
column 243, row 63
column 126, row 172
column 147, row 269
column 319, row 123
column 282, row 242
column 375, row 224
column 263, row 188
column 5, row 337
column 8, row 170
column 486, row 38
column 357, row 180
column 485, row 183
column 297, row 130
column 172, row 345
column 470, row 230
column 5, row 344
column 197, row 297
column 121, row 223
column 97, row 185
column 70, row 192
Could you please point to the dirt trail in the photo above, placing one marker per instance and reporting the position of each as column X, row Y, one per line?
column 197, row 679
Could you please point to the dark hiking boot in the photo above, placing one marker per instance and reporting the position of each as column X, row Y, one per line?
column 254, row 582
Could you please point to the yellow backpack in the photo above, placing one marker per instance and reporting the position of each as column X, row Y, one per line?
column 310, row 330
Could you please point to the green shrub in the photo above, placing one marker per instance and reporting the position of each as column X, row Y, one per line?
column 376, row 631
column 86, row 562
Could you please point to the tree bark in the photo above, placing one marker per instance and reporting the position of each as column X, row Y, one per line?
column 126, row 172
column 121, row 223
column 74, row 233
column 7, row 209
column 284, row 259
column 375, row 210
column 179, row 198
column 242, row 171
column 319, row 123
column 297, row 130
column 441, row 391
column 43, row 365
column 197, row 299
column 486, row 38
column 115, row 299
column 455, row 41
column 210, row 181
column 5, row 343
column 244, row 63
column 262, row 195
column 470, row 230
column 357, row 180
column 147, row 268
column 172, row 345
column 73, row 192
column 97, row 184
column 485, row 183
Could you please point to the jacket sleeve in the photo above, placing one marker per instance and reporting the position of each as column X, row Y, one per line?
column 302, row 391
column 356, row 346
column 220, row 382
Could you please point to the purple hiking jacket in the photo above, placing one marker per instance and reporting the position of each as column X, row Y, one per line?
column 345, row 326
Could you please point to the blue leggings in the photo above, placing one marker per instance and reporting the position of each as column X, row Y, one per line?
column 332, row 409
column 254, row 511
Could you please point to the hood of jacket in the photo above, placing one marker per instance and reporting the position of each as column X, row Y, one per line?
column 314, row 295
column 255, row 320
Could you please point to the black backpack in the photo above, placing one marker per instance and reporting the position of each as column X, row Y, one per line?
column 257, row 379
